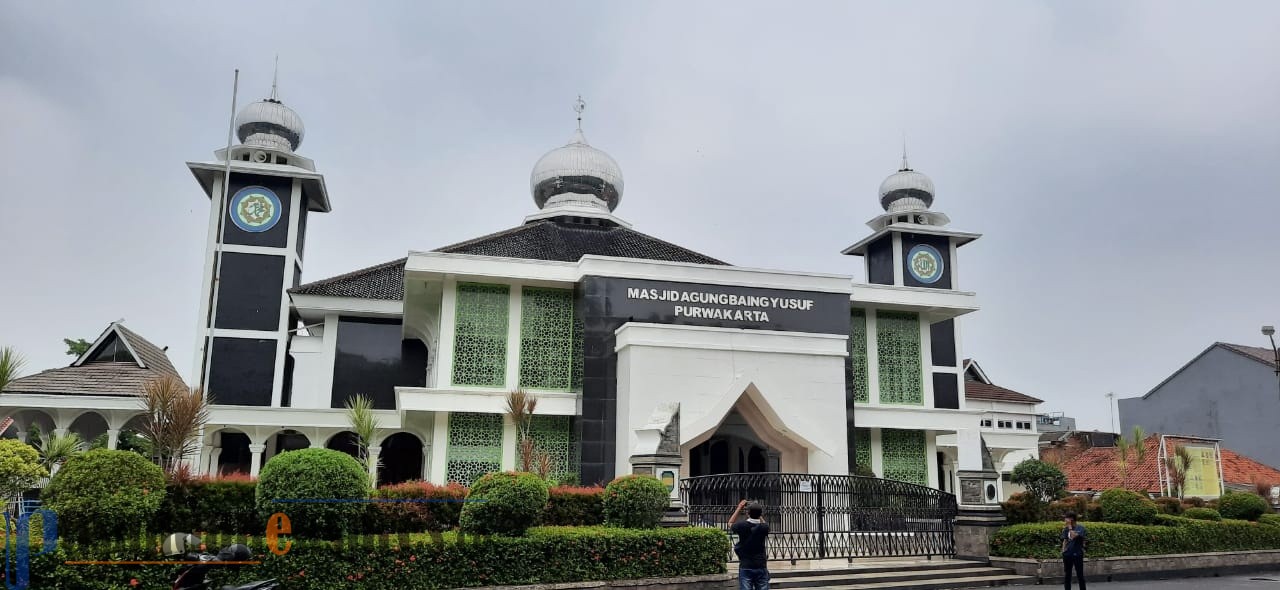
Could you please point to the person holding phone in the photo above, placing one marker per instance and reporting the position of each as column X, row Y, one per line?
column 753, row 558
column 1073, row 542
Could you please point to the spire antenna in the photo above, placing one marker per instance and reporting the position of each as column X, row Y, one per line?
column 905, row 166
column 579, row 106
column 275, row 76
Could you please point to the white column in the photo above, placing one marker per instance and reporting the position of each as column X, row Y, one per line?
column 374, row 453
column 931, row 458
column 59, row 432
column 873, row 359
column 439, row 467
column 877, row 453
column 514, row 315
column 509, row 436
column 255, row 462
column 426, row 463
column 22, row 435
column 969, row 449
column 448, row 324
column 215, row 453
column 926, row 360
column 898, row 279
column 328, row 353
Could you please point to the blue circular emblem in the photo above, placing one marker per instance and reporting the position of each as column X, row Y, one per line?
column 255, row 209
column 925, row 264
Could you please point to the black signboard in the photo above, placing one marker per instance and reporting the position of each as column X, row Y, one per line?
column 667, row 302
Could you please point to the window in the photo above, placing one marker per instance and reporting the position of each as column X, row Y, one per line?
column 986, row 423
column 1024, row 426
column 1006, row 424
column 112, row 351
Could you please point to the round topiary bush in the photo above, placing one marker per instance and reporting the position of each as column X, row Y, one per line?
column 1242, row 506
column 1202, row 514
column 1270, row 520
column 506, row 503
column 1170, row 506
column 635, row 502
column 313, row 474
column 1127, row 507
column 104, row 494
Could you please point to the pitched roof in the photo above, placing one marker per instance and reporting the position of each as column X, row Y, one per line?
column 995, row 393
column 1095, row 469
column 89, row 377
column 380, row 281
column 1265, row 355
column 567, row 242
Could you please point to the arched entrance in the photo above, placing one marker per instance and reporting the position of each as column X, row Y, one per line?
column 401, row 459
column 345, row 441
column 734, row 448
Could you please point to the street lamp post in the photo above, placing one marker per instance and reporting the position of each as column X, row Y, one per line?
column 1270, row 332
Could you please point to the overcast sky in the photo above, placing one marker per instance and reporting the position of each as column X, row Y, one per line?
column 1122, row 159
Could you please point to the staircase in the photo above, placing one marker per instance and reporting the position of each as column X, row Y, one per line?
column 937, row 574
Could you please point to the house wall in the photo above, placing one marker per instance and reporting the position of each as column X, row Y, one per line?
column 1220, row 395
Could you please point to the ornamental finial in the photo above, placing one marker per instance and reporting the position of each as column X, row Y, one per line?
column 579, row 106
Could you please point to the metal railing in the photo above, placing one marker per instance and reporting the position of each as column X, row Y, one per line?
column 829, row 516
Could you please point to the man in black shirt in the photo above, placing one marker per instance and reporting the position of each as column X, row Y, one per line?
column 1073, row 546
column 753, row 559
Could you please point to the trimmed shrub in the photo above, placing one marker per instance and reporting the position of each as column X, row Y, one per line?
column 1242, row 506
column 635, row 502
column 1202, row 514
column 1170, row 506
column 1124, row 506
column 1071, row 504
column 1043, row 541
column 1193, row 502
column 440, row 513
column 546, row 555
column 1269, row 520
column 574, row 506
column 1094, row 511
column 1044, row 481
column 506, row 503
column 313, row 474
column 104, row 494
column 1019, row 508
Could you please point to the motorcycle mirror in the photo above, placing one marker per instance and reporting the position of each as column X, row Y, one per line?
column 179, row 544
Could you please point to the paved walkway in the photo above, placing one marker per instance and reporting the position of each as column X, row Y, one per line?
column 1247, row 582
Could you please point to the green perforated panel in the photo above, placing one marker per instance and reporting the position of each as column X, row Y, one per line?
column 858, row 356
column 546, row 339
column 903, row 454
column 577, row 354
column 554, row 435
column 898, row 355
column 480, row 335
column 475, row 446
column 862, row 446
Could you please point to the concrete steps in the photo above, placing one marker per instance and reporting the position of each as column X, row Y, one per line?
column 907, row 575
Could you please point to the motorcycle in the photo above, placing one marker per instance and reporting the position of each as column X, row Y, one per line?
column 191, row 577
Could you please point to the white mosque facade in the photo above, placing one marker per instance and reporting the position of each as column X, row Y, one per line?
column 635, row 348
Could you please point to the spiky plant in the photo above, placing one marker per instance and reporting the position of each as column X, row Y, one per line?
column 1177, row 465
column 55, row 450
column 10, row 365
column 365, row 424
column 172, row 417
column 520, row 407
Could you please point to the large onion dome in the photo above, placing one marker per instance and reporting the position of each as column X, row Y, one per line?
column 906, row 190
column 269, row 124
column 578, row 169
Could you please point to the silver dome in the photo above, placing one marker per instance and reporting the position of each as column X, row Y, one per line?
column 576, row 168
column 906, row 183
column 270, row 124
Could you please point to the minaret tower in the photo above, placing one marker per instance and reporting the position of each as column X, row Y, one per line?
column 911, row 247
column 257, row 226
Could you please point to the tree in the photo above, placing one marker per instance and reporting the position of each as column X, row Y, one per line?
column 1129, row 452
column 77, row 347
column 520, row 407
column 1177, row 466
column 20, row 468
column 172, row 417
column 1044, row 481
column 10, row 365
column 57, row 449
column 367, row 428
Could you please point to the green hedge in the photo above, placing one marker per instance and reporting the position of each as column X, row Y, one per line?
column 574, row 506
column 1242, row 505
column 505, row 503
column 546, row 555
column 104, row 494
column 290, row 483
column 439, row 514
column 1043, row 541
column 1124, row 506
column 635, row 502
column 1202, row 514
column 224, row 505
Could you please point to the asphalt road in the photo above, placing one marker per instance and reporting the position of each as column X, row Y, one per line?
column 1251, row 582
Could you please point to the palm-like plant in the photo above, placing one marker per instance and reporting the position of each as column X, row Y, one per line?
column 173, row 415
column 520, row 408
column 10, row 365
column 1130, row 451
column 55, row 450
column 1177, row 466
column 365, row 424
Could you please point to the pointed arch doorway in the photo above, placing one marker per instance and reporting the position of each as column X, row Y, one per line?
column 749, row 437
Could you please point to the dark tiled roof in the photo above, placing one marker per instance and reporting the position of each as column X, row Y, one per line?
column 87, row 379
column 382, row 281
column 151, row 355
column 564, row 242
column 995, row 393
column 1265, row 355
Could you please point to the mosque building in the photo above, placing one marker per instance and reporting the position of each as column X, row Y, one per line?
column 644, row 356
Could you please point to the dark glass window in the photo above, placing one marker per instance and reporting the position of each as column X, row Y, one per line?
column 373, row 358
column 112, row 351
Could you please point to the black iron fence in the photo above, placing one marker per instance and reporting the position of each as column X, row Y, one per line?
column 829, row 516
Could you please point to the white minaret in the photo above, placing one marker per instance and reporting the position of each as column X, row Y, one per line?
column 257, row 226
